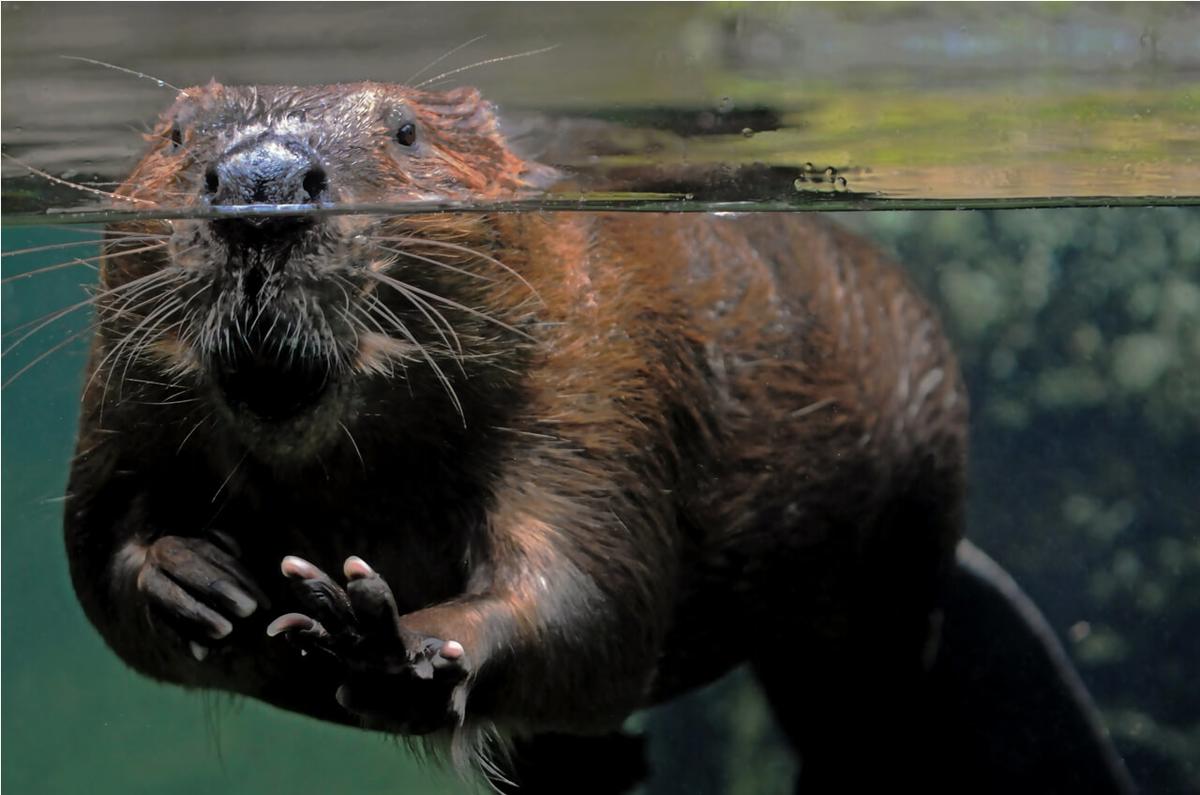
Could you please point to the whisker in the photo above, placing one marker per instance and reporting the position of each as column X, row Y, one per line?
column 384, row 309
column 468, row 251
column 148, row 382
column 354, row 444
column 75, row 185
column 159, row 81
column 130, row 352
column 462, row 69
column 44, row 321
column 74, row 262
column 229, row 477
column 430, row 360
column 443, row 57
column 425, row 309
column 391, row 282
column 195, row 428
column 168, row 402
column 28, row 366
column 103, row 233
column 174, row 274
column 438, row 263
column 137, row 286
column 51, row 247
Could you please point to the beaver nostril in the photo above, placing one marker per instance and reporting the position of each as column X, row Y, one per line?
column 212, row 180
column 315, row 183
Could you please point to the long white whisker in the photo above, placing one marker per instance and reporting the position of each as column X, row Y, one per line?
column 354, row 444
column 140, row 284
column 429, row 359
column 77, row 335
column 391, row 282
column 195, row 427
column 469, row 252
column 76, row 261
column 157, row 80
column 443, row 57
column 438, row 263
column 56, row 246
column 426, row 309
column 75, row 185
column 115, row 350
column 477, row 64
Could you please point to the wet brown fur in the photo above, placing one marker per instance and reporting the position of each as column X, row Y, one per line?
column 683, row 441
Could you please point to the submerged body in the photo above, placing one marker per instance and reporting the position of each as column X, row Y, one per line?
column 569, row 465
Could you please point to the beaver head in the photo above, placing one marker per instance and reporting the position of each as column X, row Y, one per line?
column 276, row 318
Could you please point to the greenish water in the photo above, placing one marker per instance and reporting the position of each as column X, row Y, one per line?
column 75, row 720
column 1079, row 333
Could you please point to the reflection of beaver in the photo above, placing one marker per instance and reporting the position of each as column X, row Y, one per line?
column 599, row 460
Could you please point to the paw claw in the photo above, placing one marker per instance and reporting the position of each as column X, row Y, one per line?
column 198, row 651
column 355, row 568
column 289, row 622
column 298, row 568
column 220, row 628
column 241, row 603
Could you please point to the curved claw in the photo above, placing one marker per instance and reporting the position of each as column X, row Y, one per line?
column 320, row 596
column 292, row 622
column 395, row 679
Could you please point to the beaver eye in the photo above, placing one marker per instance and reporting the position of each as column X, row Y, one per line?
column 176, row 137
column 407, row 134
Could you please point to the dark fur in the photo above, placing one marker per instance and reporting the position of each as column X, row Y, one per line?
column 639, row 450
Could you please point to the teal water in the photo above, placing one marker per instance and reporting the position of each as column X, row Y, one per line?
column 75, row 720
column 1079, row 333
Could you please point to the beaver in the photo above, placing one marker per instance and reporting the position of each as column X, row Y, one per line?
column 561, row 466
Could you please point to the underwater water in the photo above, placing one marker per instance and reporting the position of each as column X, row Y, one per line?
column 1078, row 328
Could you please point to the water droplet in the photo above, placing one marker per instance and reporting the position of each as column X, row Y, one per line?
column 747, row 132
column 688, row 196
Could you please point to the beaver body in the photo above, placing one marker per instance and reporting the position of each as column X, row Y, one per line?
column 567, row 465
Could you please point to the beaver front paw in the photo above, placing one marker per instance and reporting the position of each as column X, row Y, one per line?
column 194, row 590
column 395, row 680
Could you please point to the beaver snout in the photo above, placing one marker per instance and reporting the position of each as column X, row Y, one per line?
column 267, row 170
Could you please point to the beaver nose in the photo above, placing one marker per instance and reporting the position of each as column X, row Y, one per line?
column 268, row 170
